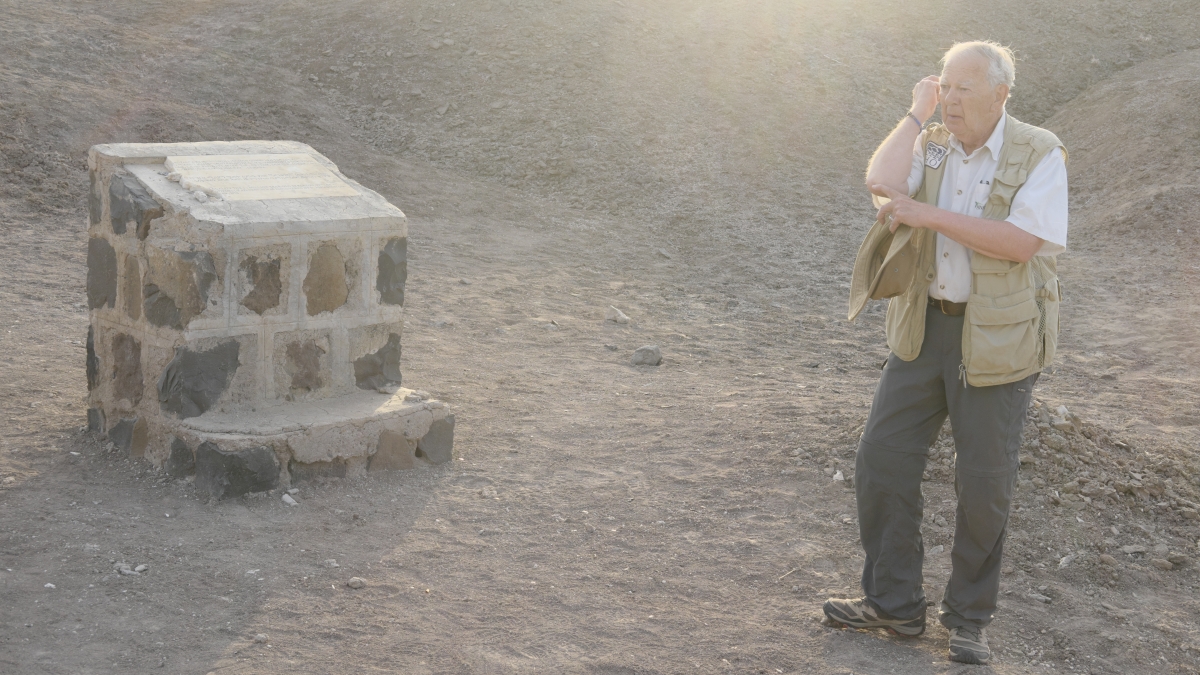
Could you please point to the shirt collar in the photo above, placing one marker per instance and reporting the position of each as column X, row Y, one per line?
column 994, row 142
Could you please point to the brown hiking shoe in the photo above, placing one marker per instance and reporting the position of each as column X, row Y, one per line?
column 968, row 644
column 858, row 614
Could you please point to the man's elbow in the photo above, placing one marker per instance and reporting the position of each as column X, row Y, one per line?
column 870, row 179
column 1028, row 250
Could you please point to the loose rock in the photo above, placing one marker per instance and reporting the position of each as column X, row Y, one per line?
column 615, row 315
column 650, row 355
column 287, row 499
column 1165, row 565
column 1108, row 560
column 356, row 582
column 260, row 639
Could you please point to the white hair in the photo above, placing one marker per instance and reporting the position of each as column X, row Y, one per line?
column 1001, row 64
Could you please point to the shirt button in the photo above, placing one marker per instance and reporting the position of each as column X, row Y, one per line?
column 964, row 161
column 960, row 192
column 943, row 287
column 945, row 255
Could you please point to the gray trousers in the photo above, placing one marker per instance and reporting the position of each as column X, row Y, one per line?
column 911, row 404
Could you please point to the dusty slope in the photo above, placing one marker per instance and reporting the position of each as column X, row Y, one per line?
column 1135, row 162
column 704, row 482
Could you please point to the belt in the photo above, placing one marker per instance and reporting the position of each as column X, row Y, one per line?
column 949, row 308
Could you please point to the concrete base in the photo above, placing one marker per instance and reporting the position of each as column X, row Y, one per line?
column 251, row 450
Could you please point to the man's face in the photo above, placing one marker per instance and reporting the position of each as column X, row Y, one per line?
column 970, row 105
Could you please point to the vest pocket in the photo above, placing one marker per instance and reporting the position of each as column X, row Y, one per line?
column 1003, row 334
column 1048, row 299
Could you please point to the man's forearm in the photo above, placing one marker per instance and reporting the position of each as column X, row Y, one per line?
column 892, row 161
column 994, row 238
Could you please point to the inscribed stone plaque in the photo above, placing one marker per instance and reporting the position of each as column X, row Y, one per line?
column 246, row 177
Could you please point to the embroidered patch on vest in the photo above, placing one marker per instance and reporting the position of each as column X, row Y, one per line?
column 935, row 154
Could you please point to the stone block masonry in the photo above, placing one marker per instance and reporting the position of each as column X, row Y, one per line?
column 246, row 307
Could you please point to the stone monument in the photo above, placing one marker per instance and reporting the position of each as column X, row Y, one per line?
column 246, row 302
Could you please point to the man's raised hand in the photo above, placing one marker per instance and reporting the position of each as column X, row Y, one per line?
column 925, row 97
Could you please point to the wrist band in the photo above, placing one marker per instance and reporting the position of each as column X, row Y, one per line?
column 920, row 125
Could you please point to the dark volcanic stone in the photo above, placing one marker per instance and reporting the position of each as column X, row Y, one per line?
column 182, row 461
column 95, row 419
column 325, row 285
column 160, row 308
column 372, row 371
column 437, row 445
column 393, row 271
column 95, row 206
column 93, row 361
column 127, row 368
column 131, row 288
column 193, row 381
column 129, row 202
column 232, row 474
column 121, row 433
column 306, row 359
column 267, row 287
column 101, row 274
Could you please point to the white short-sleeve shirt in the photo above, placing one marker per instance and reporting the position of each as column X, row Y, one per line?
column 1039, row 207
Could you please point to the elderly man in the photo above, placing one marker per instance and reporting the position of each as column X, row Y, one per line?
column 972, row 213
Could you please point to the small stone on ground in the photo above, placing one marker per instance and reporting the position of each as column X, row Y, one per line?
column 650, row 355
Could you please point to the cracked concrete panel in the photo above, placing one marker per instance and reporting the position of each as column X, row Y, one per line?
column 326, row 287
column 304, row 365
column 261, row 281
column 127, row 368
column 231, row 474
column 193, row 381
column 101, row 274
column 305, row 361
column 177, row 286
column 308, row 471
column 373, row 371
column 330, row 443
column 392, row 271
column 130, row 205
column 131, row 288
column 394, row 452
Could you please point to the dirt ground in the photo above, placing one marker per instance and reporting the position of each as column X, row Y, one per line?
column 695, row 164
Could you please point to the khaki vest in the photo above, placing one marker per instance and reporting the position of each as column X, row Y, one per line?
column 1011, row 326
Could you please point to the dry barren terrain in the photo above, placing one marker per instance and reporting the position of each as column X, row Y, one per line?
column 695, row 164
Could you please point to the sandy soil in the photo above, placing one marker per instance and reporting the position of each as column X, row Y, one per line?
column 694, row 164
